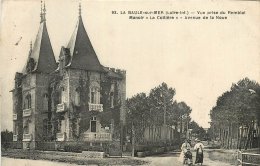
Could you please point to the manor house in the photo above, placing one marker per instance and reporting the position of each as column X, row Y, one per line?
column 74, row 99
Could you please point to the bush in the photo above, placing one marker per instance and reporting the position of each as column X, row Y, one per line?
column 73, row 148
column 93, row 148
column 78, row 147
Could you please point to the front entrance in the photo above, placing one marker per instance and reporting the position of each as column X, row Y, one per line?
column 93, row 124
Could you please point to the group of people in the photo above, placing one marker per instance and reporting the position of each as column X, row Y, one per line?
column 186, row 155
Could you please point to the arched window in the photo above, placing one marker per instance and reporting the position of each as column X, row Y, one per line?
column 77, row 97
column 94, row 95
column 45, row 102
column 28, row 102
column 112, row 99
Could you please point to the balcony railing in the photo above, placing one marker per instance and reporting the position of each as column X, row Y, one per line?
column 97, row 136
column 27, row 137
column 27, row 112
column 14, row 116
column 95, row 107
column 60, row 107
column 14, row 137
column 60, row 136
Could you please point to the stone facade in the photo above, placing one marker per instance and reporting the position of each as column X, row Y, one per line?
column 77, row 100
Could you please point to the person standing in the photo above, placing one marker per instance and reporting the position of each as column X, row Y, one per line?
column 199, row 152
column 184, row 148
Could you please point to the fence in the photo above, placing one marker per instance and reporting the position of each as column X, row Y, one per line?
column 41, row 145
column 248, row 159
column 13, row 145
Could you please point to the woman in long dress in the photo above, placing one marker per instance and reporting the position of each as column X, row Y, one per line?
column 199, row 152
column 184, row 148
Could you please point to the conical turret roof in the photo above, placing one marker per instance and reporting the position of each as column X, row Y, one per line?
column 41, row 54
column 82, row 53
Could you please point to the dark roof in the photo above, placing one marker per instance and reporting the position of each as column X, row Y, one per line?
column 42, row 52
column 82, row 53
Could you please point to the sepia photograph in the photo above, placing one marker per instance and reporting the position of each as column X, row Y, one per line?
column 115, row 82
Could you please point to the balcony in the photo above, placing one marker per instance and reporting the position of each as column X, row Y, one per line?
column 97, row 136
column 27, row 112
column 60, row 136
column 14, row 116
column 60, row 107
column 95, row 107
column 14, row 137
column 27, row 137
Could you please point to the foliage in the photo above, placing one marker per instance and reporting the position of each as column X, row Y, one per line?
column 144, row 111
column 197, row 130
column 239, row 105
column 6, row 138
column 234, row 108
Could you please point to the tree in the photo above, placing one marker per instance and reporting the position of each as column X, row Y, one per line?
column 6, row 139
column 161, row 104
column 197, row 130
column 138, row 113
column 238, row 107
column 157, row 109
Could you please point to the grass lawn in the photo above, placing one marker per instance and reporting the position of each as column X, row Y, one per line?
column 70, row 158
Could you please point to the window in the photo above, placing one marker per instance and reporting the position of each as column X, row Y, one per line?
column 77, row 97
column 95, row 95
column 62, row 95
column 45, row 102
column 26, row 127
column 59, row 126
column 27, row 103
column 93, row 124
column 16, row 129
column 112, row 99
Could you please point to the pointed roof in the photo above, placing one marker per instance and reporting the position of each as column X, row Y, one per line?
column 42, row 53
column 82, row 53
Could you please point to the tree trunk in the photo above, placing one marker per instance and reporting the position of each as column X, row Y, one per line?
column 133, row 140
column 228, row 137
column 238, row 137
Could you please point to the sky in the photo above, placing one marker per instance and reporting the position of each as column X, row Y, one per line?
column 199, row 58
